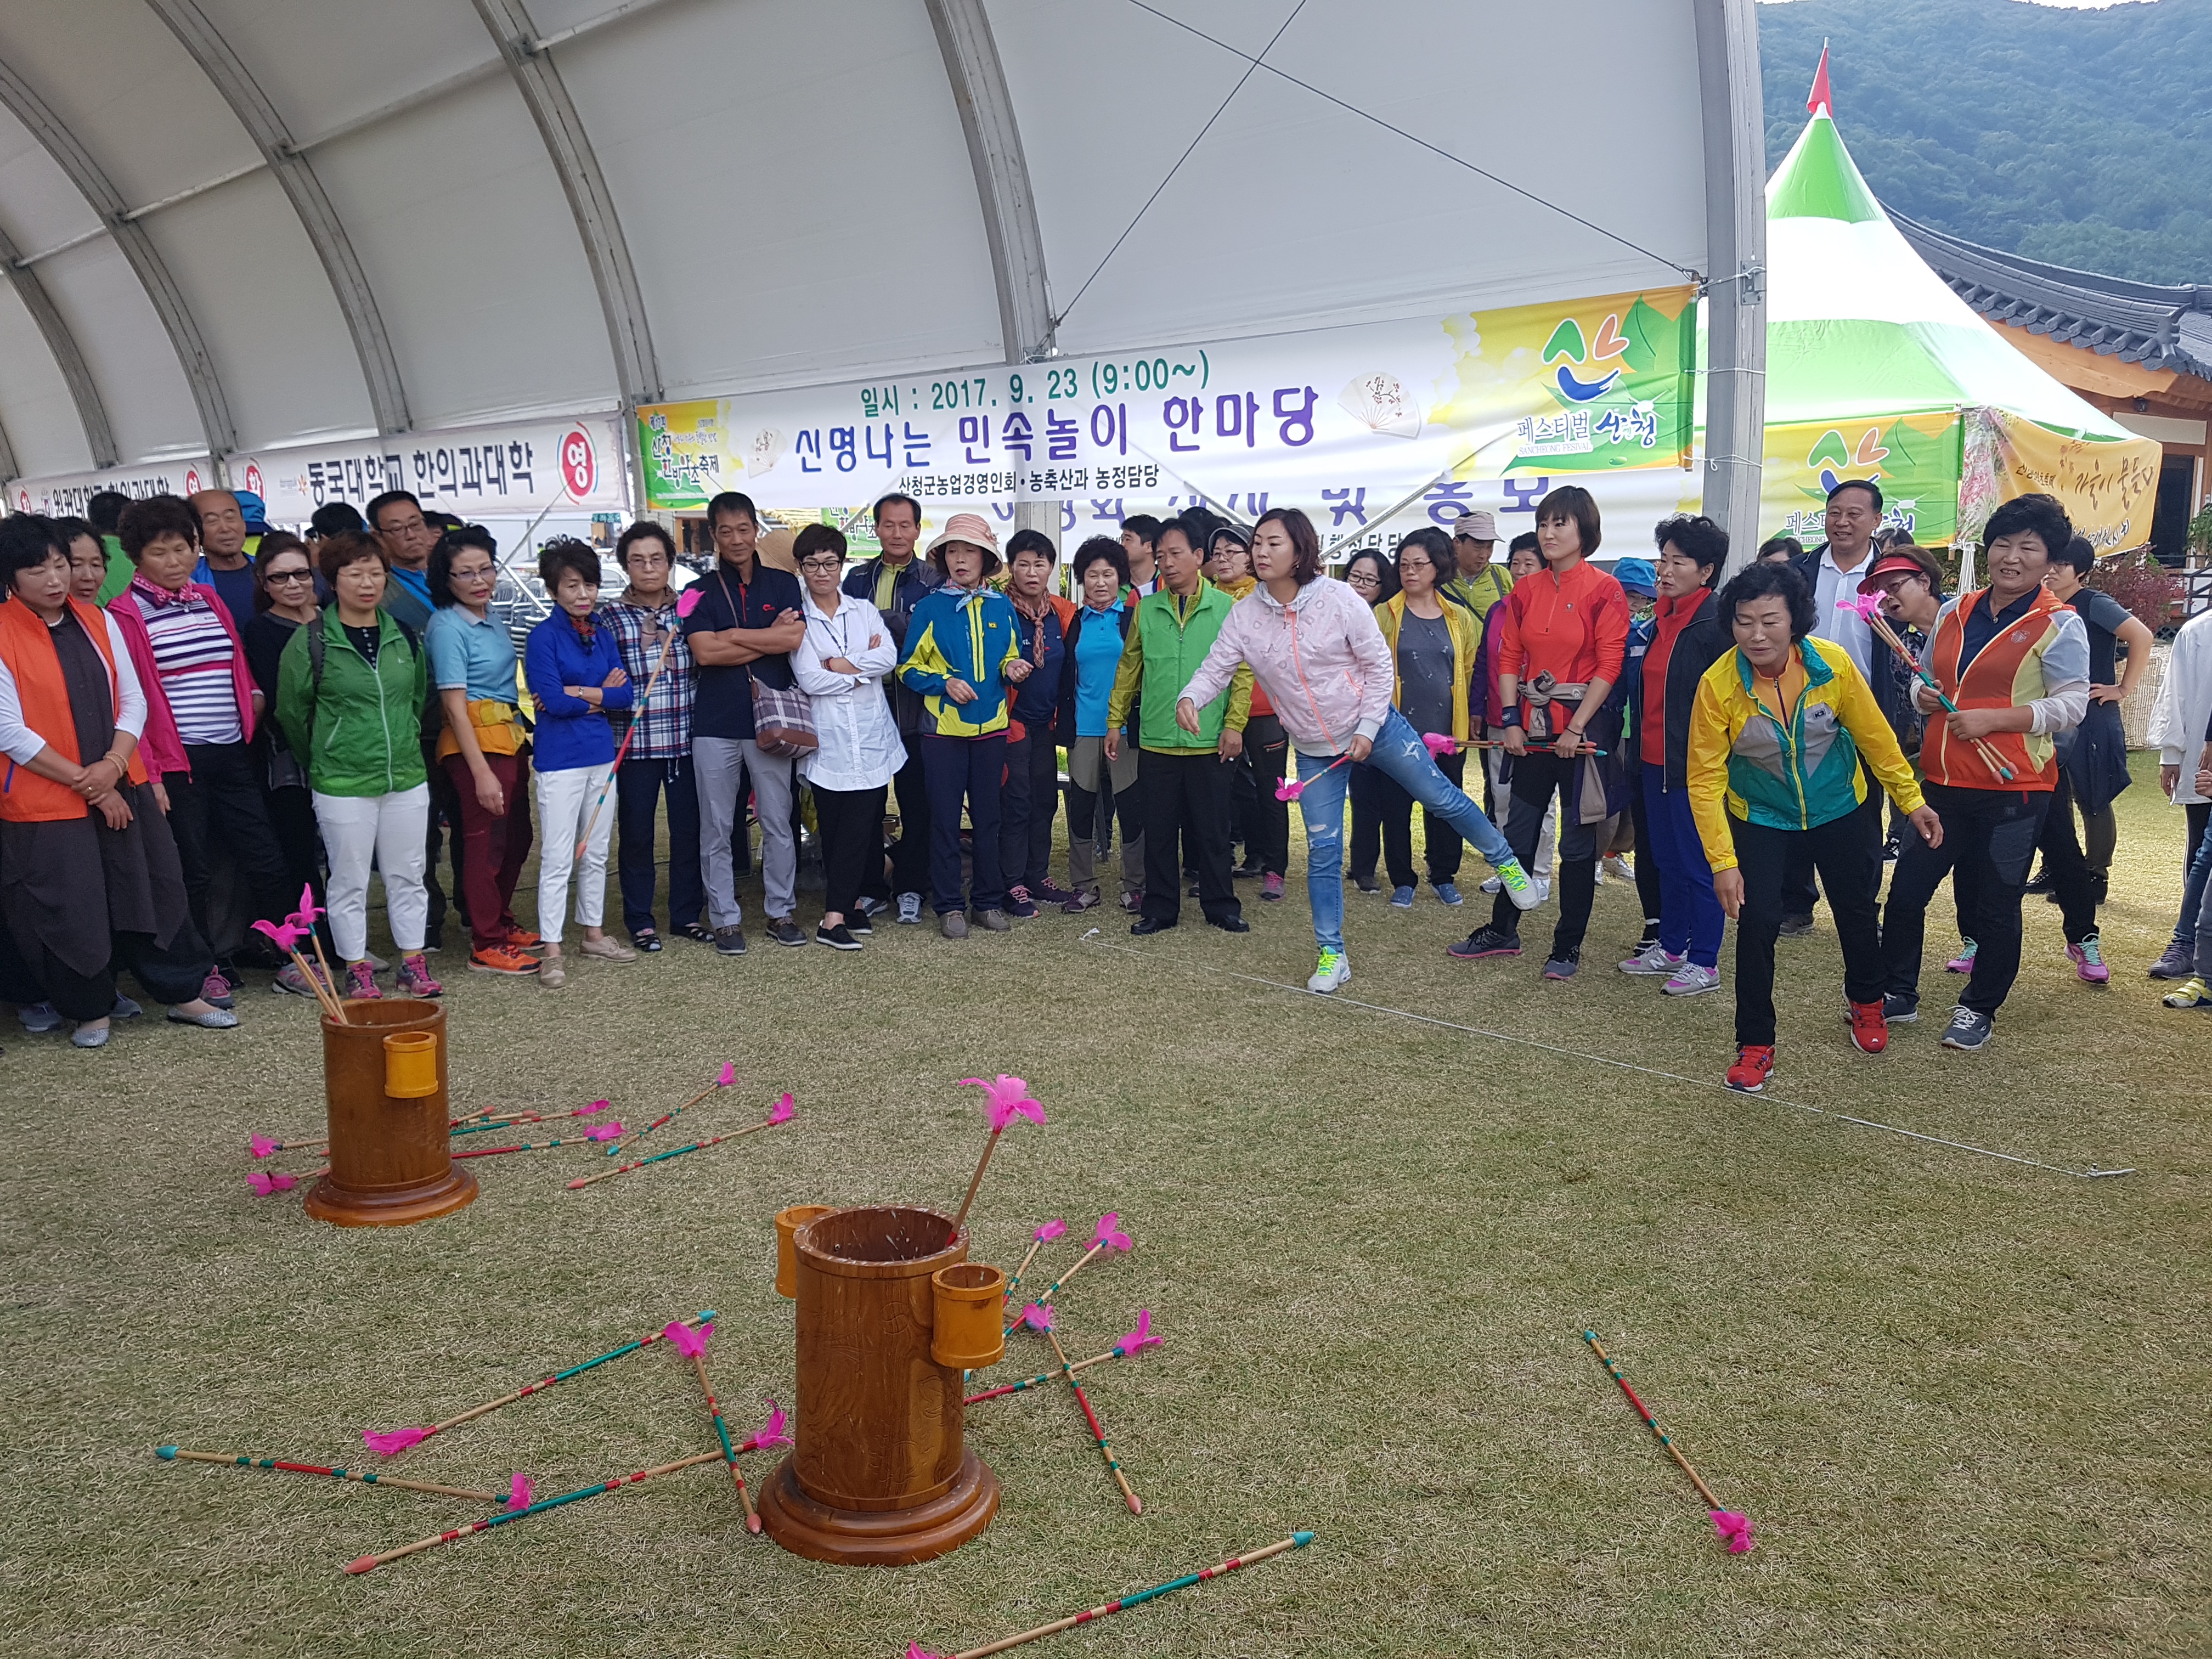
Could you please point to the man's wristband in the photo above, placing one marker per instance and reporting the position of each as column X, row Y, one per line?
column 1508, row 717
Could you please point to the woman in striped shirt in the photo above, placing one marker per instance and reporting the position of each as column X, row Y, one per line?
column 201, row 709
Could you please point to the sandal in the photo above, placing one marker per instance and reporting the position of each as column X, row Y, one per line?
column 698, row 932
column 646, row 940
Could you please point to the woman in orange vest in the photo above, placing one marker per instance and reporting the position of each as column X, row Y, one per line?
column 2014, row 662
column 88, row 872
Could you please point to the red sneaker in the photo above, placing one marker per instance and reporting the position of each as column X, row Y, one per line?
column 522, row 939
column 1869, row 1030
column 1754, row 1064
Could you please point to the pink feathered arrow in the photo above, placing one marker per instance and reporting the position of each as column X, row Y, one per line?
column 1439, row 744
column 1733, row 1528
column 519, row 1492
column 785, row 1108
column 770, row 1433
column 1109, row 1236
column 392, row 1445
column 604, row 1131
column 1037, row 1317
column 688, row 1339
column 1142, row 1337
column 1291, row 788
column 1042, row 1236
column 1005, row 1099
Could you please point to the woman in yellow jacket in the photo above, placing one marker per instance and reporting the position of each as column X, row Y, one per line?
column 1775, row 737
column 1433, row 646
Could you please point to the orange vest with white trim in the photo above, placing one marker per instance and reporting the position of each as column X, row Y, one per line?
column 27, row 647
column 2005, row 673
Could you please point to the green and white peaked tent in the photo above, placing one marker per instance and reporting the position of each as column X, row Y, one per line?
column 1875, row 367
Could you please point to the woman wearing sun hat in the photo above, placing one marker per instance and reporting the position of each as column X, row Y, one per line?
column 963, row 650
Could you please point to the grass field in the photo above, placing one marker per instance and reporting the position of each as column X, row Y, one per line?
column 1958, row 1397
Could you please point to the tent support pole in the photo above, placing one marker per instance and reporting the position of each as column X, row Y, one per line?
column 1735, row 254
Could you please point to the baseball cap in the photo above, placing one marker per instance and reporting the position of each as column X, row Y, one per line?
column 1477, row 524
column 1637, row 577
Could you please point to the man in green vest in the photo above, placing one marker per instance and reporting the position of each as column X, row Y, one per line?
column 1182, row 780
column 1476, row 583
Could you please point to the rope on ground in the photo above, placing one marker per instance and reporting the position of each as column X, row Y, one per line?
column 1338, row 998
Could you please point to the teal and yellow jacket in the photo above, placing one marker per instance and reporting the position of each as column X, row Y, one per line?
column 964, row 637
column 1746, row 763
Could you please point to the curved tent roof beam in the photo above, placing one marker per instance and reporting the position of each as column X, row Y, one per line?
column 569, row 147
column 1002, row 175
column 145, row 260
column 91, row 413
column 379, row 368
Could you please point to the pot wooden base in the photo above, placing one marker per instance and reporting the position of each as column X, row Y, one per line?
column 391, row 1206
column 885, row 1538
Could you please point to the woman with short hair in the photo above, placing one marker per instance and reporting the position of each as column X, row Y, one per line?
column 480, row 745
column 1094, row 638
column 646, row 622
column 1435, row 646
column 1032, row 745
column 89, row 876
column 350, row 689
column 841, row 666
column 1687, row 637
column 1776, row 731
column 283, row 604
column 1317, row 649
column 576, row 674
column 1561, row 642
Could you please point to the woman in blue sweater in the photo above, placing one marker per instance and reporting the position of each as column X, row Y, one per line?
column 575, row 670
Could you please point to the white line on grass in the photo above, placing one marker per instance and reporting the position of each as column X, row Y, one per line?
column 2092, row 1173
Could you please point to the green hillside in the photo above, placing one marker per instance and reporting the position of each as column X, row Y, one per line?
column 2082, row 137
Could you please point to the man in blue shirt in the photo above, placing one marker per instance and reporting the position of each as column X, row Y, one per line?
column 749, row 619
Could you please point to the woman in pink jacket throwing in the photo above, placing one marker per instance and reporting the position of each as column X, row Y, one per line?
column 1315, row 649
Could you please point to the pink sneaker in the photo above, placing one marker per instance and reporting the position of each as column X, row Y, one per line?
column 1270, row 887
column 2088, row 960
column 361, row 983
column 414, row 978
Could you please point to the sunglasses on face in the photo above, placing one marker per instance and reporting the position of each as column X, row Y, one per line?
column 290, row 576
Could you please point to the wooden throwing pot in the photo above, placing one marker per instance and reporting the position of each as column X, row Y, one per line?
column 878, row 1475
column 390, row 1154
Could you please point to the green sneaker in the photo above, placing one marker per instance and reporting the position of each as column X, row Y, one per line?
column 1518, row 888
column 1331, row 971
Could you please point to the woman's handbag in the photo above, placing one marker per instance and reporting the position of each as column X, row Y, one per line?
column 783, row 719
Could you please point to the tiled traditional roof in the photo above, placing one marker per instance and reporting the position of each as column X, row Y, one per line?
column 2159, row 327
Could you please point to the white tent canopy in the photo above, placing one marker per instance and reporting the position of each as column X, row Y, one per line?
column 235, row 225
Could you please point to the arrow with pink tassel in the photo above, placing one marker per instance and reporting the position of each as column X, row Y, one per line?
column 727, row 1078
column 604, row 1132
column 1040, row 1319
column 783, row 1112
column 1109, row 1236
column 265, row 1181
column 391, row 1444
column 1004, row 1098
column 693, row 1344
column 1042, row 1236
column 1734, row 1528
column 1135, row 1342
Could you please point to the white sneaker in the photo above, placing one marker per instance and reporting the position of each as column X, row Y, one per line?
column 909, row 911
column 1617, row 866
column 1490, row 885
column 1690, row 980
column 1518, row 887
column 1653, row 959
column 1543, row 884
column 1332, row 970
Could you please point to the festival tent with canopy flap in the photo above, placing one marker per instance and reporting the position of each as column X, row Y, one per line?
column 1877, row 369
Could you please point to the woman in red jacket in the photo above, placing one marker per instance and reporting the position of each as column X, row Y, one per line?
column 1561, row 642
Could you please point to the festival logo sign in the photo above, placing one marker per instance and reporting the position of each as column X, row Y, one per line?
column 1914, row 458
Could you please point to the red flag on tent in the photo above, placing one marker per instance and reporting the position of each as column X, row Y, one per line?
column 1819, row 101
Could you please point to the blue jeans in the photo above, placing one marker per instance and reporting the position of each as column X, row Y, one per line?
column 1690, row 918
column 1401, row 755
column 2199, row 842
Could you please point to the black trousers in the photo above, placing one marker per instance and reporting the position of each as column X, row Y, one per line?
column 1799, row 895
column 171, row 975
column 221, row 805
column 910, row 854
column 639, row 787
column 1536, row 778
column 972, row 770
column 1764, row 855
column 1648, row 890
column 1365, row 790
column 1442, row 848
column 2072, row 881
column 292, row 816
column 445, row 816
column 1187, row 810
column 1266, row 822
column 852, row 825
column 1032, row 799
column 1993, row 832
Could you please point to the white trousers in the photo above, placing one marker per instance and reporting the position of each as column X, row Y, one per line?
column 564, row 801
column 389, row 831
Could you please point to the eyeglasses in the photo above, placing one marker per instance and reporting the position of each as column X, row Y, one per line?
column 826, row 566
column 290, row 576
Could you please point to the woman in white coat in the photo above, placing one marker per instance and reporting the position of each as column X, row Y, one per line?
column 841, row 666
